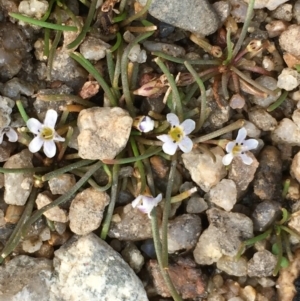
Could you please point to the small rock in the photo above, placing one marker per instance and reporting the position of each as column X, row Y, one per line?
column 32, row 245
column 267, row 182
column 269, row 4
column 130, row 224
column 270, row 83
column 54, row 214
column 288, row 79
column 132, row 255
column 289, row 40
column 224, row 194
column 262, row 119
column 195, row 16
column 93, row 49
column 66, row 70
column 224, row 236
column 242, row 174
column 86, row 210
column 295, row 167
column 183, row 232
column 265, row 214
column 6, row 105
column 26, row 278
column 233, row 266
column 196, row 205
column 16, row 87
column 187, row 280
column 204, row 171
column 33, row 8
column 6, row 148
column 283, row 12
column 13, row 213
column 16, row 193
column 296, row 11
column 104, row 132
column 87, row 268
column 223, row 9
column 287, row 276
column 252, row 130
column 294, row 221
column 136, row 55
column 62, row 183
column 262, row 264
column 170, row 49
column 248, row 293
column 286, row 132
column 296, row 117
column 89, row 89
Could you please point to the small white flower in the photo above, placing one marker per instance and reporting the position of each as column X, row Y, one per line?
column 177, row 135
column 146, row 203
column 144, row 124
column 239, row 147
column 10, row 134
column 45, row 134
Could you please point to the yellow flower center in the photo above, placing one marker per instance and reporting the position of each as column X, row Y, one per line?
column 237, row 149
column 47, row 133
column 176, row 133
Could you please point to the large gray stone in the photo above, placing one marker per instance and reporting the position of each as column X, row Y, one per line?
column 87, row 268
column 25, row 279
column 197, row 16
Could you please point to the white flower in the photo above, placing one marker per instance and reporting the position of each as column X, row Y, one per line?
column 146, row 203
column 46, row 134
column 10, row 134
column 144, row 124
column 239, row 147
column 177, row 135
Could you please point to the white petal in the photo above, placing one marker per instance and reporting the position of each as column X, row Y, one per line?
column 188, row 126
column 172, row 119
column 136, row 201
column 230, row 146
column 226, row 160
column 146, row 125
column 36, row 144
column 186, row 144
column 34, row 125
column 12, row 135
column 241, row 135
column 49, row 148
column 170, row 147
column 50, row 119
column 158, row 198
column 58, row 138
column 246, row 159
column 250, row 144
column 164, row 138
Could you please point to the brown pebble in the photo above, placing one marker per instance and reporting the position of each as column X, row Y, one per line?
column 46, row 251
column 187, row 280
column 57, row 239
column 13, row 213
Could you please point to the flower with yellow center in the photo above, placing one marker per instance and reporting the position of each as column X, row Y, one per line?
column 45, row 134
column 239, row 147
column 177, row 136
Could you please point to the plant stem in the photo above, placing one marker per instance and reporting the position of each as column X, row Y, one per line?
column 15, row 237
column 138, row 15
column 124, row 74
column 111, row 206
column 65, row 169
column 22, row 111
column 166, row 213
column 278, row 102
column 203, row 96
column 43, row 24
column 231, row 127
column 242, row 36
column 157, row 245
column 175, row 94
